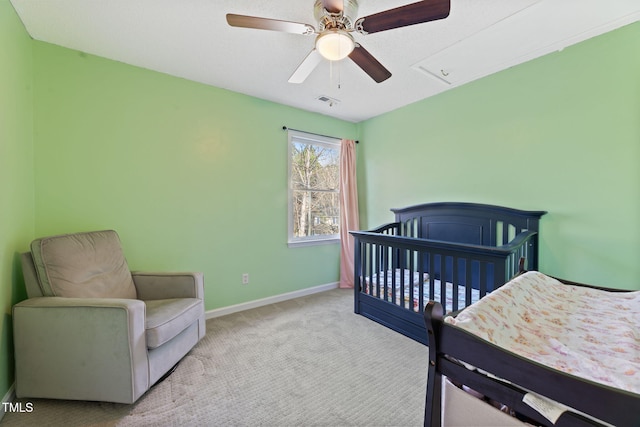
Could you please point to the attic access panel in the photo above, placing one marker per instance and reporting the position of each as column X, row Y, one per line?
column 534, row 31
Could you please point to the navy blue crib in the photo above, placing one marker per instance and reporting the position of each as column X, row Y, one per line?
column 450, row 252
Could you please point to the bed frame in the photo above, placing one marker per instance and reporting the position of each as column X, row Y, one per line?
column 478, row 247
column 450, row 344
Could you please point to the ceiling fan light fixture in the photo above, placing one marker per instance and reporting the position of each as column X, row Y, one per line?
column 334, row 44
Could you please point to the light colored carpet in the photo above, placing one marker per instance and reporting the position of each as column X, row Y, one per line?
column 304, row 362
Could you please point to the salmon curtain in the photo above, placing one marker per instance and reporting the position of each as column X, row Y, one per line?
column 349, row 217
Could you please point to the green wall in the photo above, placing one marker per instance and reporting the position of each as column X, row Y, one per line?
column 560, row 133
column 192, row 177
column 16, row 173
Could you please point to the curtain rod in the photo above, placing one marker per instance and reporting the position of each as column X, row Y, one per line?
column 318, row 134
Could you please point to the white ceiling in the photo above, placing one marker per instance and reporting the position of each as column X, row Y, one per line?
column 191, row 39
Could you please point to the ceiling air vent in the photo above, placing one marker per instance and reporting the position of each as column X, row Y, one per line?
column 328, row 100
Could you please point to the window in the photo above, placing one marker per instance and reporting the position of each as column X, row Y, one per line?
column 314, row 189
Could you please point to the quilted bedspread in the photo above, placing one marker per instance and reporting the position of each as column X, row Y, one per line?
column 586, row 332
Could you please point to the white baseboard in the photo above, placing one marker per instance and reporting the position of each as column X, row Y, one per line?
column 217, row 312
column 8, row 398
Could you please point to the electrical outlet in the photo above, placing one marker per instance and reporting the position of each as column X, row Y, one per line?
column 245, row 278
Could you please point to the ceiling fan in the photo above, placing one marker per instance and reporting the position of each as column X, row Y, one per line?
column 336, row 23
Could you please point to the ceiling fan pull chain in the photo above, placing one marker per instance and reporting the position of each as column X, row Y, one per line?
column 330, row 72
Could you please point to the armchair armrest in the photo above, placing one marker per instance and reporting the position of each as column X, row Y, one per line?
column 94, row 347
column 162, row 285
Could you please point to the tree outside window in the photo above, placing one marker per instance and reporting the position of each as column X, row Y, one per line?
column 314, row 188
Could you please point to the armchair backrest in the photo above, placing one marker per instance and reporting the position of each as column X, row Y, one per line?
column 30, row 276
column 79, row 265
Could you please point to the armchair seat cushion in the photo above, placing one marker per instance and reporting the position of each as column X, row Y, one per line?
column 166, row 318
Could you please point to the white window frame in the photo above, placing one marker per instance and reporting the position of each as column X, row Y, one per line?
column 309, row 138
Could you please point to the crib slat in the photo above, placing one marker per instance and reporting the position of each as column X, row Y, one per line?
column 443, row 281
column 384, row 271
column 406, row 271
column 468, row 282
column 454, row 284
column 421, row 281
column 393, row 268
column 364, row 267
column 505, row 232
column 432, row 276
column 370, row 272
column 397, row 275
column 379, row 271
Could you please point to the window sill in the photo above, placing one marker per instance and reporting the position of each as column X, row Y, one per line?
column 313, row 242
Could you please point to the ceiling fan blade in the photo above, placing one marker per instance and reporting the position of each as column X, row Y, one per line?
column 403, row 16
column 333, row 6
column 306, row 67
column 269, row 24
column 369, row 64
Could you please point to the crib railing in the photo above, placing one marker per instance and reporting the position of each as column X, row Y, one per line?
column 403, row 270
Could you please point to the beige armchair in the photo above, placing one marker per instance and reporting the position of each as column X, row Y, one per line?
column 93, row 330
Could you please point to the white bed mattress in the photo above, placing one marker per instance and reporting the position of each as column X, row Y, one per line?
column 412, row 282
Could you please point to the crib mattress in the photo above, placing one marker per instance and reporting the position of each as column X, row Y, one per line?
column 407, row 284
column 586, row 332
